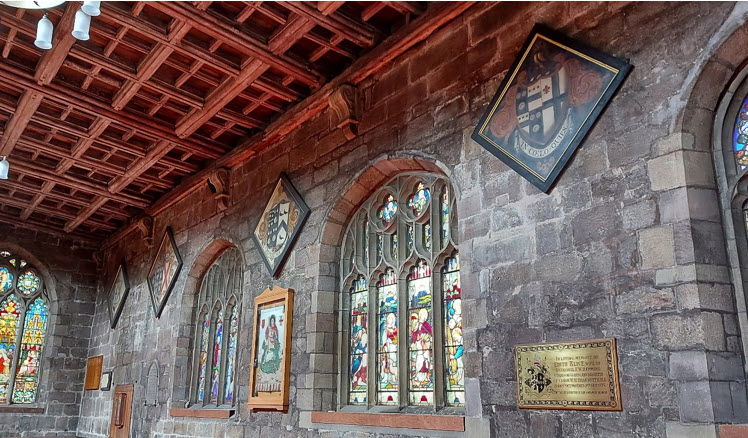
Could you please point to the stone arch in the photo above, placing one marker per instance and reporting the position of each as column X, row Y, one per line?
column 50, row 283
column 715, row 84
column 208, row 254
column 322, row 324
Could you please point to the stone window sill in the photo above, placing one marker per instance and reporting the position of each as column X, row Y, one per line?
column 400, row 421
column 201, row 413
column 15, row 409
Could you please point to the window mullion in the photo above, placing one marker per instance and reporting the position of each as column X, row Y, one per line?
column 372, row 370
column 403, row 340
column 438, row 344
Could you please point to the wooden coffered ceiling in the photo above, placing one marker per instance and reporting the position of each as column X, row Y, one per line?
column 102, row 131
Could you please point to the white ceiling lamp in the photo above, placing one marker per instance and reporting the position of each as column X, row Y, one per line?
column 44, row 33
column 91, row 8
column 44, row 27
column 4, row 168
column 81, row 25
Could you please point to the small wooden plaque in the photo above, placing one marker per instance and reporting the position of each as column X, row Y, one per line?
column 579, row 375
column 93, row 372
column 271, row 350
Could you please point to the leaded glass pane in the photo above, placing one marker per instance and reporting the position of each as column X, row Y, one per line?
column 28, row 283
column 387, row 363
column 387, row 211
column 203, row 360
column 740, row 137
column 420, row 199
column 444, row 214
column 231, row 356
column 6, row 279
column 454, row 348
column 30, row 354
column 10, row 317
column 359, row 339
column 421, row 333
column 217, row 345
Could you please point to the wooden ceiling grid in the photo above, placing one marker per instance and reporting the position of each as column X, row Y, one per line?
column 97, row 131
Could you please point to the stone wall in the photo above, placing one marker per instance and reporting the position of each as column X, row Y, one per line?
column 629, row 244
column 69, row 271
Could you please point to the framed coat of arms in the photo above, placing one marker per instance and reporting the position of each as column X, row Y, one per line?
column 164, row 271
column 279, row 226
column 118, row 292
column 549, row 100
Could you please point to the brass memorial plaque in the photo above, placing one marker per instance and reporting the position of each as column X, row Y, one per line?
column 571, row 375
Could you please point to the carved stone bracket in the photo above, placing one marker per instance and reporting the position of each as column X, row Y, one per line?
column 218, row 183
column 145, row 226
column 345, row 102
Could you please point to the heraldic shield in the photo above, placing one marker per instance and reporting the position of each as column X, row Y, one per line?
column 549, row 100
column 280, row 224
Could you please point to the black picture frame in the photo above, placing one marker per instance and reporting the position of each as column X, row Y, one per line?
column 553, row 79
column 160, row 294
column 115, row 304
column 274, row 256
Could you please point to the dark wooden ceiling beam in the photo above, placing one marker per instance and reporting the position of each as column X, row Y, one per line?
column 361, row 34
column 372, row 9
column 58, row 213
column 85, row 214
column 34, row 225
column 62, row 198
column 327, row 8
column 38, row 171
column 134, row 171
column 224, row 31
column 12, row 76
column 25, row 109
column 419, row 29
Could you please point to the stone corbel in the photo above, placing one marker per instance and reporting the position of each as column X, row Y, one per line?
column 345, row 103
column 145, row 226
column 218, row 183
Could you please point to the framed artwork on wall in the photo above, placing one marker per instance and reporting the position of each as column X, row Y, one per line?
column 164, row 271
column 106, row 381
column 279, row 225
column 271, row 350
column 118, row 292
column 550, row 98
column 93, row 372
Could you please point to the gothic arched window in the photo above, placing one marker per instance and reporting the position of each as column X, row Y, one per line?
column 411, row 276
column 217, row 329
column 24, row 316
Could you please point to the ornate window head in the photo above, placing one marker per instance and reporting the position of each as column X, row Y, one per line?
column 401, row 301
column 24, row 316
column 216, row 334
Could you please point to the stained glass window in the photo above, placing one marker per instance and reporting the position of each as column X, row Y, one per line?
column 740, row 137
column 24, row 315
column 387, row 360
column 359, row 338
column 423, row 366
column 214, row 369
column 454, row 349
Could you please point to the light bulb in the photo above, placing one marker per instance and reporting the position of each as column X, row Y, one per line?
column 4, row 168
column 81, row 25
column 44, row 33
column 91, row 8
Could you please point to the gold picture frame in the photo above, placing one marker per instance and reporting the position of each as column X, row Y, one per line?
column 271, row 350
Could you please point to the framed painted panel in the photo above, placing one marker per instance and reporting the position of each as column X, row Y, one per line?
column 271, row 350
column 105, row 384
column 118, row 292
column 164, row 271
column 93, row 372
column 549, row 100
column 279, row 226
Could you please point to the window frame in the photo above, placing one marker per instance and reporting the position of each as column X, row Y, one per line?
column 220, row 290
column 353, row 256
column 24, row 302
